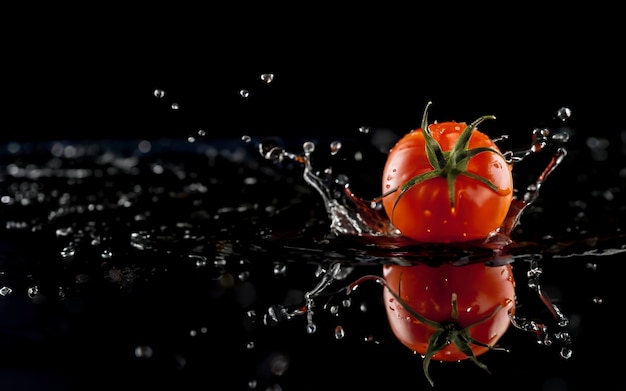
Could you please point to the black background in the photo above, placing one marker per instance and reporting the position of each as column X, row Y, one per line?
column 91, row 75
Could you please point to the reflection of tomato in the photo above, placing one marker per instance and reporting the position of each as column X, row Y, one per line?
column 449, row 184
column 447, row 312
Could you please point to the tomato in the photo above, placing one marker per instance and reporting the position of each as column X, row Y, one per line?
column 447, row 182
column 447, row 312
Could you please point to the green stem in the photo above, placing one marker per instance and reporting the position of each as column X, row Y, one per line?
column 449, row 164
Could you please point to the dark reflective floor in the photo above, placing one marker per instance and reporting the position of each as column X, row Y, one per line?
column 187, row 263
column 132, row 256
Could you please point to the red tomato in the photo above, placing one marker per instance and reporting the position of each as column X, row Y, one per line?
column 449, row 313
column 448, row 184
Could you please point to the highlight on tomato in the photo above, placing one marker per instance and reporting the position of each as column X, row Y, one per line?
column 448, row 312
column 447, row 182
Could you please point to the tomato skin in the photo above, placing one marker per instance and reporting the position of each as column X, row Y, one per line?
column 424, row 213
column 479, row 288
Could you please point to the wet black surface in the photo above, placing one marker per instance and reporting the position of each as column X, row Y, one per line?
column 109, row 252
column 132, row 267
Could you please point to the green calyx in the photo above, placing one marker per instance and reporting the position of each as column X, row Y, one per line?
column 445, row 334
column 449, row 164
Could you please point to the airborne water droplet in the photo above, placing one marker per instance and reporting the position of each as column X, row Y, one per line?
column 267, row 77
column 143, row 351
column 564, row 113
column 5, row 290
column 566, row 352
column 335, row 147
column 158, row 93
column 244, row 93
column 339, row 332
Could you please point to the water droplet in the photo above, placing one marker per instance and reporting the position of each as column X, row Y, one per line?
column 244, row 93
column 280, row 269
column 335, row 147
column 564, row 113
column 199, row 260
column 252, row 384
column 563, row 321
column 563, row 337
column 143, row 351
column 364, row 129
column 311, row 328
column 60, row 232
column 370, row 339
column 339, row 332
column 597, row 300
column 159, row 93
column 5, row 290
column 201, row 132
column 271, row 150
column 308, row 147
column 175, row 106
column 267, row 77
column 68, row 252
column 561, row 137
column 537, row 146
column 246, row 139
column 566, row 352
column 250, row 345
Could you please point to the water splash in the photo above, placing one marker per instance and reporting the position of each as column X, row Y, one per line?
column 544, row 333
column 351, row 214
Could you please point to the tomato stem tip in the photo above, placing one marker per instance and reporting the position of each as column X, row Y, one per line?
column 448, row 164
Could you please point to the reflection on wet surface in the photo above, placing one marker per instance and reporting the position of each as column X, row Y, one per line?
column 180, row 261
